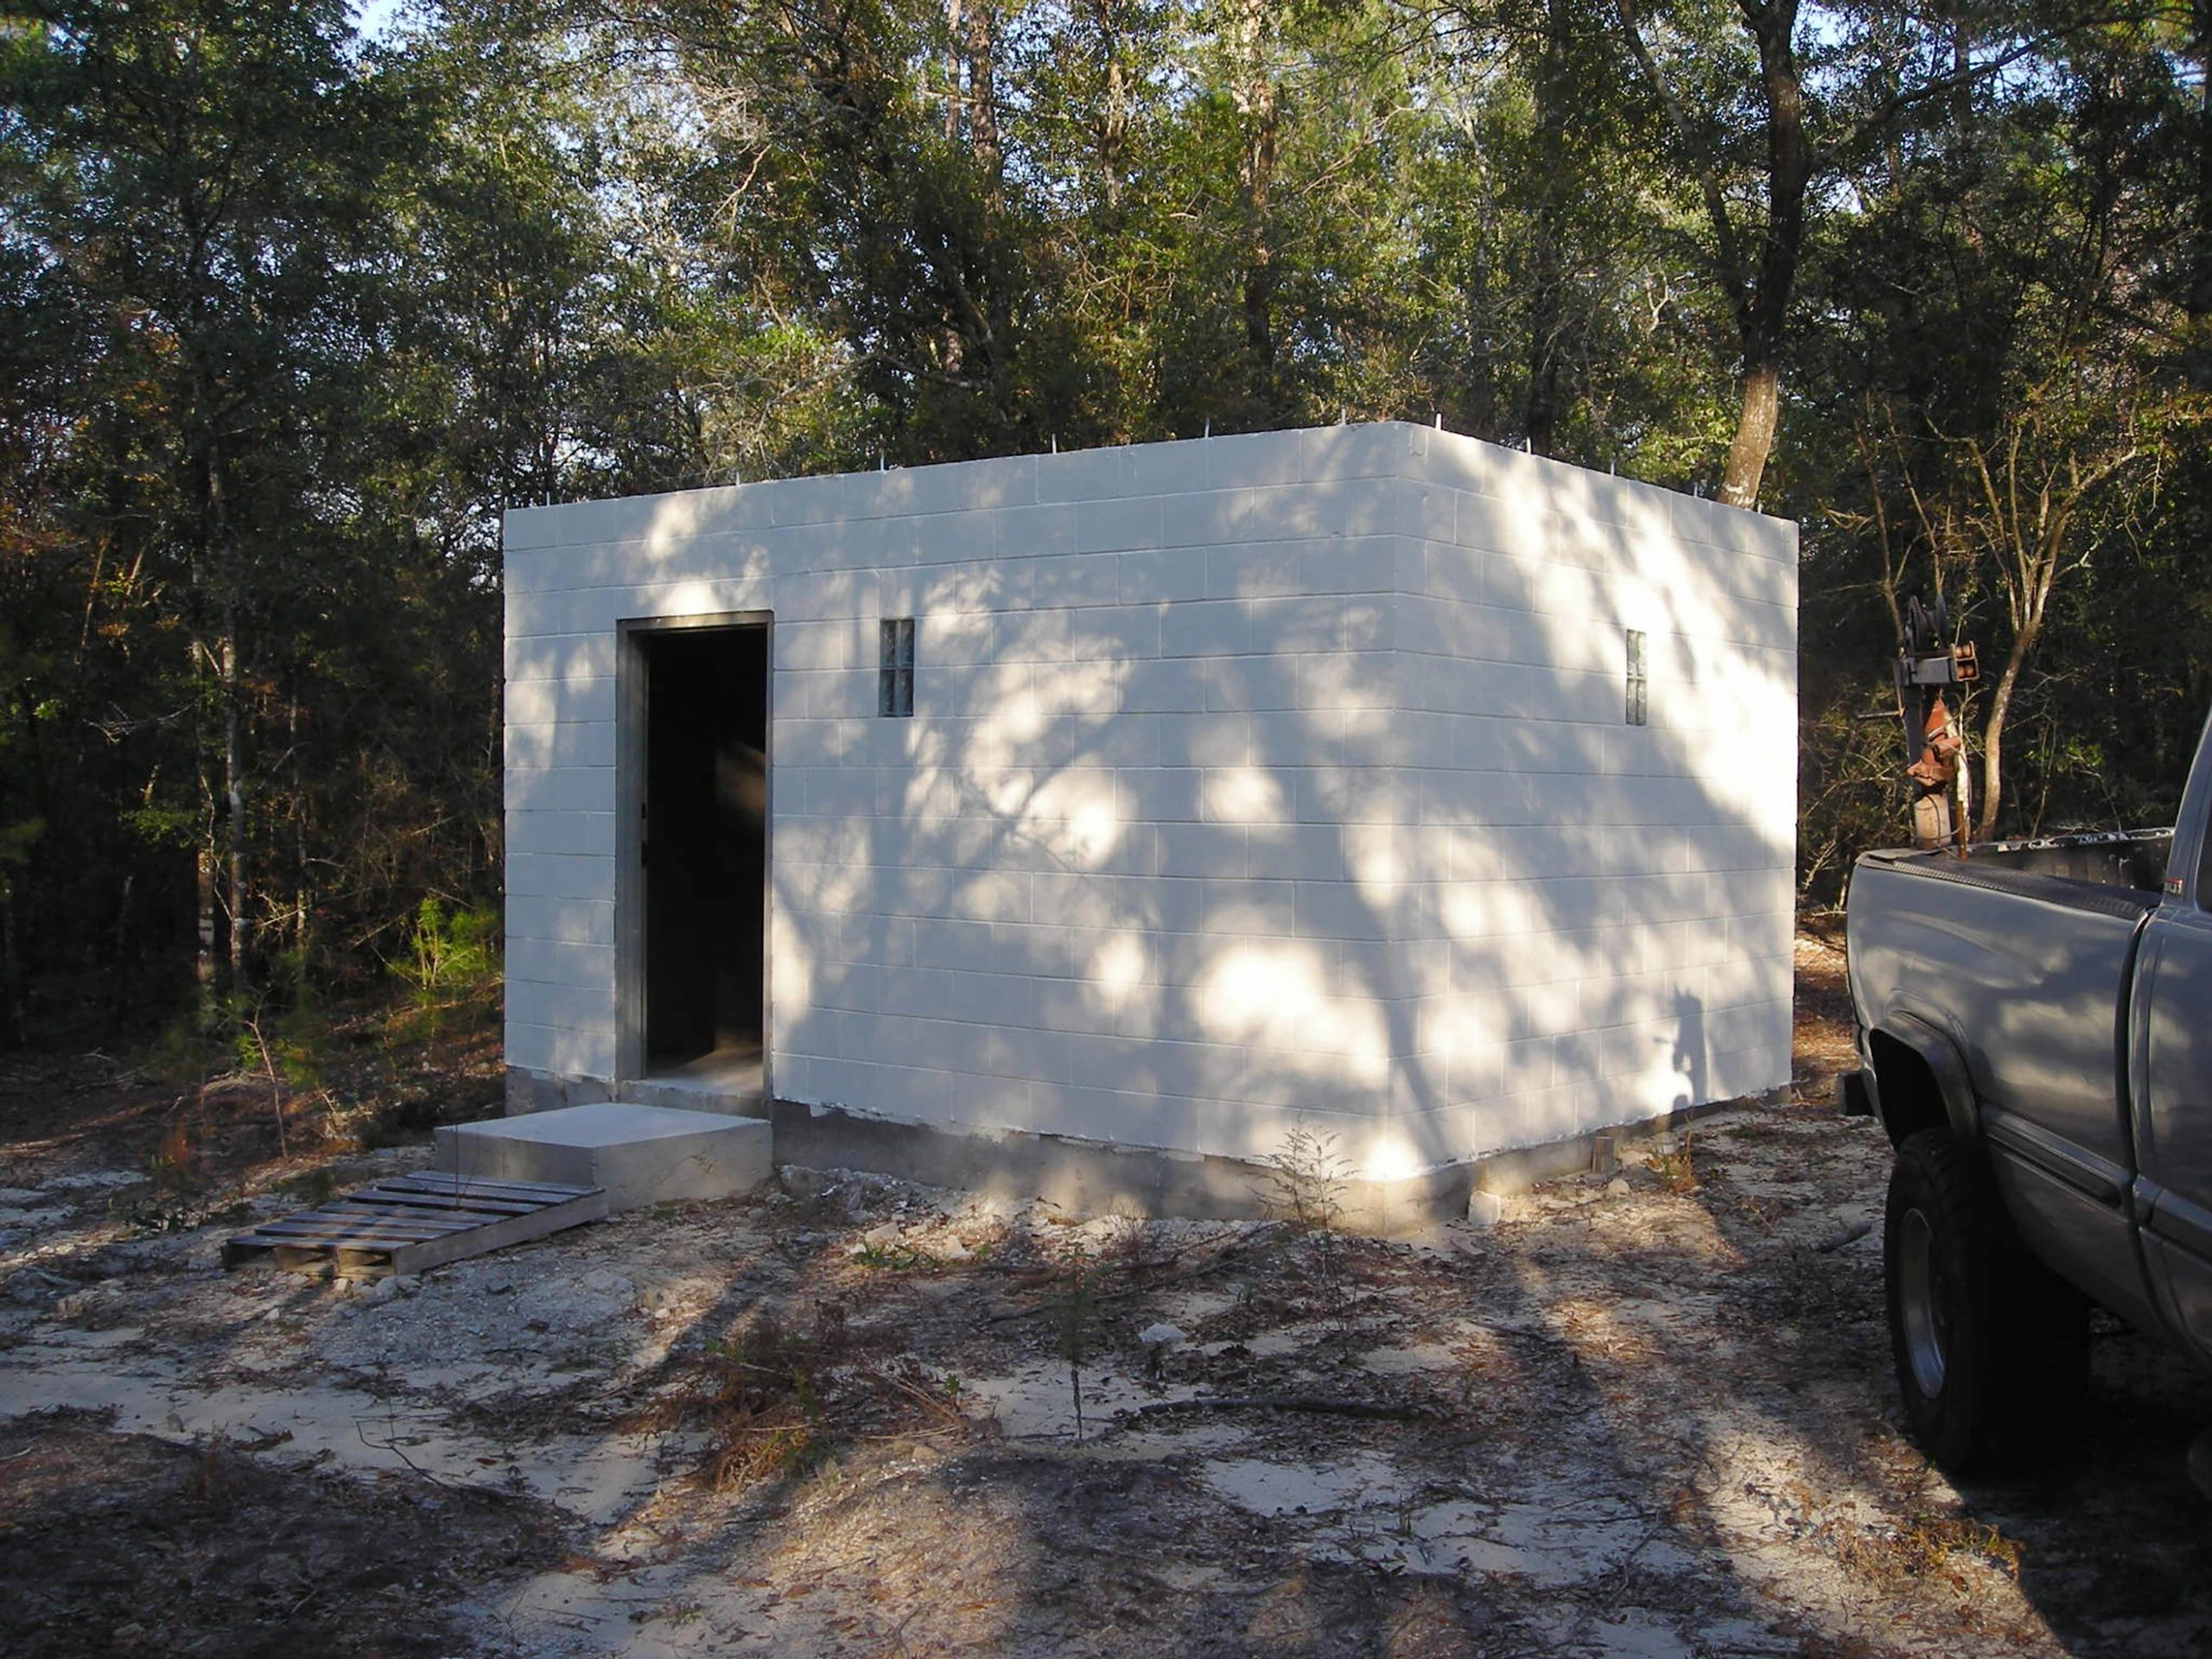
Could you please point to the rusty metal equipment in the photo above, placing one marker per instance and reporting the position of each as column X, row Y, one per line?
column 1928, row 667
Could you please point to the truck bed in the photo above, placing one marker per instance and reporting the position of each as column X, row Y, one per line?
column 2117, row 872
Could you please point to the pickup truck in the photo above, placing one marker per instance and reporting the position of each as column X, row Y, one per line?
column 2035, row 1034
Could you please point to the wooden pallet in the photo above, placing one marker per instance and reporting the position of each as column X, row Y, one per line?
column 411, row 1222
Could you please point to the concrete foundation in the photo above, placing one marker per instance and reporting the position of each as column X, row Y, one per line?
column 640, row 1155
column 1092, row 1177
column 1089, row 1178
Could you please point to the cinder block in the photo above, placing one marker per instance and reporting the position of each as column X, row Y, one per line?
column 558, row 789
column 1111, row 526
column 1076, row 579
column 1029, row 532
column 640, row 1155
column 562, row 743
column 552, row 962
column 530, row 527
column 1161, row 575
column 1165, row 469
column 1205, row 628
column 560, row 875
column 577, row 834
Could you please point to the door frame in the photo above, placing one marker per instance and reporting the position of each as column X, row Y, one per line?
column 632, row 731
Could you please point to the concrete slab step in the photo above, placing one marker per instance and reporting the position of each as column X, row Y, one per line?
column 639, row 1154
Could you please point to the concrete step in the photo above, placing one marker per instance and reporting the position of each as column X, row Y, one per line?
column 640, row 1155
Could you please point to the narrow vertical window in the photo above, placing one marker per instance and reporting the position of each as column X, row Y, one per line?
column 894, row 683
column 1637, row 684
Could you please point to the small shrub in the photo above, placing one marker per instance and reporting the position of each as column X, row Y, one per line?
column 1306, row 1182
column 174, row 1165
column 1071, row 1312
column 1304, row 1191
column 892, row 1258
column 1677, row 1170
column 183, row 1052
column 1128, row 1237
column 452, row 960
column 215, row 1473
column 452, row 952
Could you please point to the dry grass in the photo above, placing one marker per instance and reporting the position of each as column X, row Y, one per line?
column 1927, row 1547
column 1677, row 1170
column 777, row 1404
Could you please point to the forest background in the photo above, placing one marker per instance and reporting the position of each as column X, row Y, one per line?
column 288, row 313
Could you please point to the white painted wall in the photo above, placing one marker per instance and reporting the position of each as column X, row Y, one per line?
column 1251, row 779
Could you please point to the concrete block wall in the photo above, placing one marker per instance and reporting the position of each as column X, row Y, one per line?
column 1223, row 803
column 1597, row 915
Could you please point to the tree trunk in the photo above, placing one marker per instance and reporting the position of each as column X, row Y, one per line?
column 2198, row 356
column 234, row 795
column 1255, row 94
column 119, row 976
column 1114, row 115
column 979, row 53
column 1760, row 297
column 203, row 862
column 299, row 840
column 1765, row 315
column 11, row 971
column 206, row 858
column 955, row 34
column 1992, row 728
column 1546, row 301
column 1754, row 440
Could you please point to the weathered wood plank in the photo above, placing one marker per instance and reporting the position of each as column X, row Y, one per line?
column 471, row 1201
column 440, row 1180
column 369, row 1261
column 400, row 1212
column 498, row 1234
column 323, row 1222
column 385, row 1221
column 348, row 1226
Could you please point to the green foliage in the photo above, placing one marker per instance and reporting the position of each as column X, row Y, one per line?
column 452, row 954
column 451, row 964
column 1072, row 1312
column 287, row 318
column 892, row 1258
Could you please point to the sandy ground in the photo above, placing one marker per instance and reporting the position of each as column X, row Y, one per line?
column 1646, row 1415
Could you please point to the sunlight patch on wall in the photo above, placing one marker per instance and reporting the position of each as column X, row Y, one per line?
column 1371, row 854
column 1242, row 794
column 1273, row 997
column 1121, row 963
column 1391, row 1156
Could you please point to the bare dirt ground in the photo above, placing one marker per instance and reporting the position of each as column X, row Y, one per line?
column 1644, row 1416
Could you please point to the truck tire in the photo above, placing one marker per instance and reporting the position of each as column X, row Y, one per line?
column 1991, row 1346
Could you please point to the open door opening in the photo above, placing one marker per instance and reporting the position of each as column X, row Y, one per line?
column 704, row 846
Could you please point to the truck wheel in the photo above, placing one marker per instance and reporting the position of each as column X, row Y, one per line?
column 1992, row 1347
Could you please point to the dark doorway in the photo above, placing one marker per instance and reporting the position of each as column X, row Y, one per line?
column 705, row 842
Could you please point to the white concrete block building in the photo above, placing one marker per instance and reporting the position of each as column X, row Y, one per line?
column 1430, row 794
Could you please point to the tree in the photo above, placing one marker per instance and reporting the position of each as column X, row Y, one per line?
column 2006, row 351
column 199, row 183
